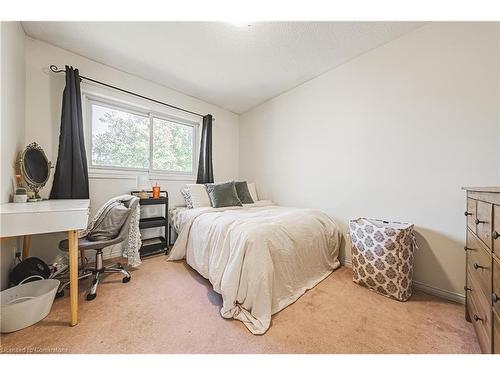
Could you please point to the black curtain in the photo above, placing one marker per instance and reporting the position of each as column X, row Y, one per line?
column 205, row 170
column 71, row 180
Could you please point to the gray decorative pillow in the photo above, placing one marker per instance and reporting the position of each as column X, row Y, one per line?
column 186, row 194
column 243, row 192
column 223, row 195
column 109, row 223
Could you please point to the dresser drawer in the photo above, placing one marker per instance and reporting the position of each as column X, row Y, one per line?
column 496, row 333
column 479, row 311
column 495, row 300
column 471, row 214
column 479, row 264
column 484, row 222
column 496, row 229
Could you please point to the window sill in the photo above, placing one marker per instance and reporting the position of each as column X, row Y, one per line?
column 105, row 174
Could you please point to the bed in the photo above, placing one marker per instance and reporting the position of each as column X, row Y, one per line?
column 260, row 257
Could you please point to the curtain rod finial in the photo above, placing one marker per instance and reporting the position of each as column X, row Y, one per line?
column 55, row 69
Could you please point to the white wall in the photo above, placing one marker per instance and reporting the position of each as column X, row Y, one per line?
column 43, row 111
column 393, row 134
column 12, row 123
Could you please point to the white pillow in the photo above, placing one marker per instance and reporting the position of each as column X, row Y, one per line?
column 253, row 191
column 199, row 195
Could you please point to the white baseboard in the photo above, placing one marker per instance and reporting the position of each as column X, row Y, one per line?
column 346, row 263
column 426, row 288
column 446, row 294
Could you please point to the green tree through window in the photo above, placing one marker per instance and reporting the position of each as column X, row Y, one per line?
column 122, row 139
column 172, row 146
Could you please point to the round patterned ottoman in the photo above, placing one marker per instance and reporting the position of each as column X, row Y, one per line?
column 382, row 256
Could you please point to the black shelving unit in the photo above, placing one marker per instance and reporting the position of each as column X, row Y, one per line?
column 155, row 245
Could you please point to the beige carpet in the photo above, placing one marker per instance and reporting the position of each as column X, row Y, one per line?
column 169, row 308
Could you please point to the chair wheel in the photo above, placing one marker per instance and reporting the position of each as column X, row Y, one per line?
column 126, row 279
column 60, row 293
column 90, row 297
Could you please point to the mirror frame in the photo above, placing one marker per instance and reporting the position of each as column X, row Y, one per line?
column 32, row 185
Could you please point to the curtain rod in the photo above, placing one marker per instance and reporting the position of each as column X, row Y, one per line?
column 55, row 69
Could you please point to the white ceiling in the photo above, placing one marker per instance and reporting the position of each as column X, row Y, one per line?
column 233, row 67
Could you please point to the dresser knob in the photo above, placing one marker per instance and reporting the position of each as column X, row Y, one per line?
column 477, row 318
column 494, row 298
column 495, row 234
column 477, row 266
column 467, row 248
column 467, row 289
column 467, row 213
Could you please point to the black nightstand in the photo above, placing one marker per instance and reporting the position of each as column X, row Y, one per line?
column 155, row 245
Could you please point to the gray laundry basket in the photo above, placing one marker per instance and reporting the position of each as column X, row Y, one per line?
column 382, row 256
column 26, row 304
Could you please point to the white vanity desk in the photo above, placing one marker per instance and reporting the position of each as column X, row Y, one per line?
column 48, row 216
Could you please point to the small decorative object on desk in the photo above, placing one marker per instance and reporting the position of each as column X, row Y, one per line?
column 382, row 256
column 21, row 195
column 33, row 170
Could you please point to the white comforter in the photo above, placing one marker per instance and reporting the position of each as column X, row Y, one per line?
column 260, row 258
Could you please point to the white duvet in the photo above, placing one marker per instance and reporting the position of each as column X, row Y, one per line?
column 260, row 258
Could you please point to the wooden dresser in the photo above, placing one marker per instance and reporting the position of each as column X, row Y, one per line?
column 482, row 270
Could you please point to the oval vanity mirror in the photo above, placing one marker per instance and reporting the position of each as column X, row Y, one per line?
column 34, row 168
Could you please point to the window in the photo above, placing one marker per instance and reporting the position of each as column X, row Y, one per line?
column 172, row 146
column 126, row 138
column 119, row 138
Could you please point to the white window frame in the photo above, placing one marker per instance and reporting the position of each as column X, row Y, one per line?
column 100, row 171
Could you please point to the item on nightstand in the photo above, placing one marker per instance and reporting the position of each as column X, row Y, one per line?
column 143, row 184
column 156, row 192
column 382, row 256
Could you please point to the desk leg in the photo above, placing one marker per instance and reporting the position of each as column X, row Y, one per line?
column 73, row 276
column 26, row 246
